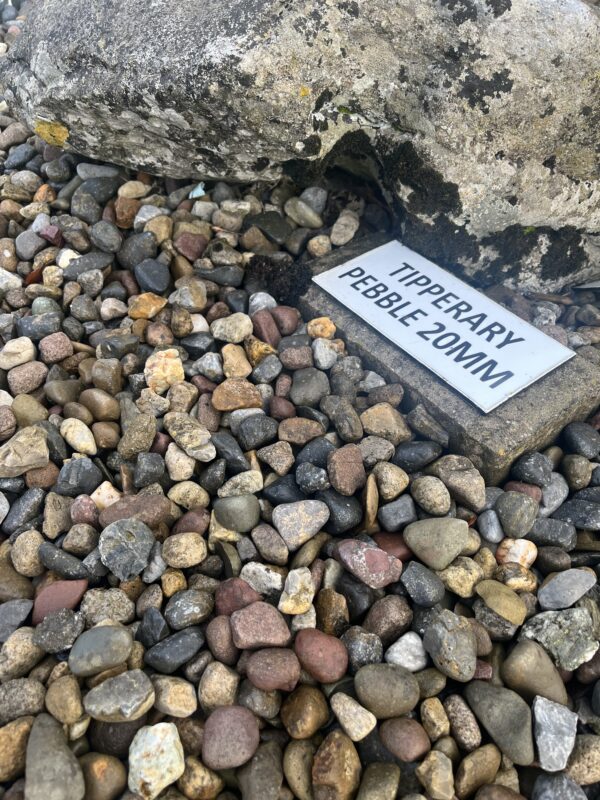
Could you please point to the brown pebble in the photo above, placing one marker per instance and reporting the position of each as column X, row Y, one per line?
column 42, row 477
column 299, row 430
column 304, row 712
column 405, row 738
column 220, row 642
column 322, row 656
column 273, row 669
column 265, row 327
column 346, row 470
column 336, row 768
column 389, row 618
column 234, row 594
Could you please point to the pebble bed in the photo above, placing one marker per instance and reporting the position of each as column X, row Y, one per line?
column 234, row 562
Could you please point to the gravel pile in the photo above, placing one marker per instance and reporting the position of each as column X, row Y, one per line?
column 234, row 562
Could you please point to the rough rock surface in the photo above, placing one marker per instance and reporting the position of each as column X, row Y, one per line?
column 467, row 108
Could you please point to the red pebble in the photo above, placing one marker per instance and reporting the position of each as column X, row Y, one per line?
column 196, row 519
column 161, row 443
column 281, row 408
column 191, row 245
column 286, row 318
column 259, row 625
column 283, row 384
column 203, row 385
column 324, row 657
column 265, row 327
column 57, row 595
column 525, row 488
column 371, row 565
column 84, row 510
column 483, row 671
column 393, row 544
column 233, row 594
column 52, row 234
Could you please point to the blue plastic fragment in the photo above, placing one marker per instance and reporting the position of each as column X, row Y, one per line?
column 197, row 191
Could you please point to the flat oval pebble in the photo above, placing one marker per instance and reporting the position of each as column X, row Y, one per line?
column 99, row 649
column 386, row 690
column 566, row 588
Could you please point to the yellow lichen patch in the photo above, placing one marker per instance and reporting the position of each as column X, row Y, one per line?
column 304, row 91
column 51, row 132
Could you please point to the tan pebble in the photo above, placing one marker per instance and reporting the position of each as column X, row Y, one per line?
column 162, row 228
column 435, row 774
column 174, row 696
column 297, row 766
column 13, row 746
column 24, row 554
column 172, row 581
column 105, row 495
column 19, row 654
column 434, row 718
column 321, row 328
column 298, row 592
column 133, row 190
column 487, row 561
column 370, row 500
column 163, row 369
column 235, row 363
column 63, row 700
column 257, row 350
column 462, row 576
column 235, row 393
column 184, row 550
column 198, row 782
column 477, row 769
column 189, row 494
column 218, row 687
column 356, row 721
column 516, row 577
column 584, row 763
column 503, row 601
column 105, row 776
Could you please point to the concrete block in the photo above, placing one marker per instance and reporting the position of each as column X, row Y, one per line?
column 529, row 421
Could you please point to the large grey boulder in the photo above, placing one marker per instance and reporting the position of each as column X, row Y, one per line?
column 479, row 117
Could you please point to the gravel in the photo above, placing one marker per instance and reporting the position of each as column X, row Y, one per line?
column 233, row 555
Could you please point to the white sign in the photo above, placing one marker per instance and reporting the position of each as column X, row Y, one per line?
column 484, row 351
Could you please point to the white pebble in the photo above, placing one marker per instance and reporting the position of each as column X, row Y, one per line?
column 407, row 652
